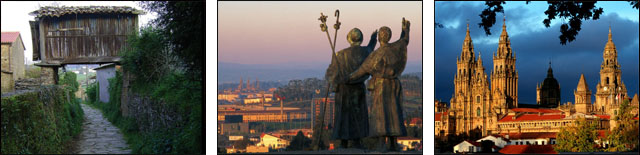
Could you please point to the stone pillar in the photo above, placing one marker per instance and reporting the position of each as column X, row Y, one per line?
column 48, row 73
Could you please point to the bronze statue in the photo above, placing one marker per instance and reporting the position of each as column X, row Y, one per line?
column 350, row 108
column 385, row 65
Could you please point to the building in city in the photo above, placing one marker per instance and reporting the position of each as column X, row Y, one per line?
column 477, row 104
column 12, row 60
column 273, row 142
column 408, row 143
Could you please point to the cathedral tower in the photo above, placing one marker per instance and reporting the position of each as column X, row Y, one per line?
column 610, row 89
column 583, row 96
column 471, row 99
column 460, row 102
column 504, row 77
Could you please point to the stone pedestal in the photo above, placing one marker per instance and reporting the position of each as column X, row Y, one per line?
column 48, row 73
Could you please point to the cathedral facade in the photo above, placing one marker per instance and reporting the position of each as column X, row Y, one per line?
column 477, row 104
column 483, row 107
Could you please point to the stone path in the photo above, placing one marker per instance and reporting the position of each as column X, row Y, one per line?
column 99, row 136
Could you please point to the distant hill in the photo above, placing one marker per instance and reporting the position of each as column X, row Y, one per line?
column 231, row 72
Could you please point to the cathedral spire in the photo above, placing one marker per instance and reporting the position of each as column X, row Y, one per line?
column 550, row 71
column 608, row 40
column 480, row 59
column 582, row 85
column 467, row 46
column 504, row 48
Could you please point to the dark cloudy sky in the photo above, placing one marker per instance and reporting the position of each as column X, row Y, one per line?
column 534, row 45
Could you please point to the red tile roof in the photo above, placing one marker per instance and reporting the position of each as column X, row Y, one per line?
column 604, row 116
column 520, row 149
column 602, row 133
column 474, row 143
column 416, row 120
column 535, row 110
column 530, row 117
column 9, row 37
column 438, row 116
column 530, row 135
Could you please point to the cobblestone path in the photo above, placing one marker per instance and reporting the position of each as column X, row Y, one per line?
column 99, row 136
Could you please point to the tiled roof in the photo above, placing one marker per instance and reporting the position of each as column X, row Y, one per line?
column 416, row 120
column 602, row 133
column 501, row 136
column 438, row 116
column 473, row 143
column 604, row 116
column 520, row 149
column 530, row 135
column 535, row 110
column 52, row 11
column 530, row 117
column 9, row 37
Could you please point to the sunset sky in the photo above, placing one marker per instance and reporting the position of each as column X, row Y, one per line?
column 289, row 32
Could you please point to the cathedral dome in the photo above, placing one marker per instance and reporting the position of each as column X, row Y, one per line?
column 550, row 82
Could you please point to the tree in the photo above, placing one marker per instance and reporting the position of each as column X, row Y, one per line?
column 576, row 12
column 577, row 137
column 487, row 145
column 184, row 22
column 624, row 137
column 69, row 81
column 241, row 144
column 299, row 142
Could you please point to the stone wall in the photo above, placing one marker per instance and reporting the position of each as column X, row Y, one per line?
column 7, row 82
column 17, row 62
column 150, row 114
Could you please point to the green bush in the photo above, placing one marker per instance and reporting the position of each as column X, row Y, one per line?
column 39, row 122
column 69, row 81
column 92, row 92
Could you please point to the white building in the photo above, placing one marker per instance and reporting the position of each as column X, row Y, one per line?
column 496, row 139
column 272, row 141
column 467, row 146
column 532, row 138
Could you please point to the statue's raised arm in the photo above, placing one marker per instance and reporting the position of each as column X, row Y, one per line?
column 404, row 36
column 372, row 41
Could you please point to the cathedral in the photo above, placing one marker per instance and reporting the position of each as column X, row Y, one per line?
column 477, row 104
column 248, row 87
column 548, row 93
column 483, row 107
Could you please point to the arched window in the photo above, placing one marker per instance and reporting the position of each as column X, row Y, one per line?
column 615, row 112
column 477, row 99
column 478, row 112
column 607, row 80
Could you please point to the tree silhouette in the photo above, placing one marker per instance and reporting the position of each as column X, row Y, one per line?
column 575, row 12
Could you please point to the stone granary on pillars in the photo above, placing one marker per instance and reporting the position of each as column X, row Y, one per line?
column 12, row 60
column 80, row 35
